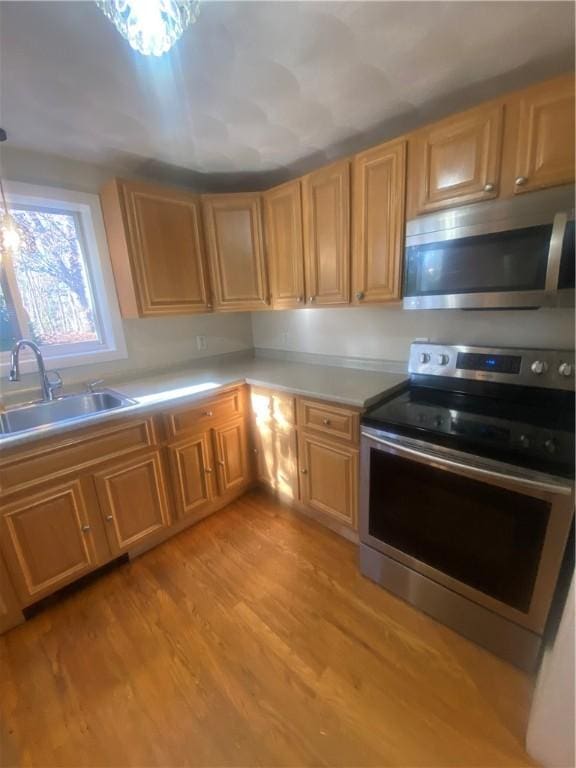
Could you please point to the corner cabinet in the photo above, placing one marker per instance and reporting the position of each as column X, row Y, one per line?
column 326, row 216
column 457, row 160
column 233, row 226
column 542, row 143
column 156, row 248
column 283, row 227
column 379, row 189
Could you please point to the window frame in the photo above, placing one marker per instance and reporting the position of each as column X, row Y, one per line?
column 86, row 208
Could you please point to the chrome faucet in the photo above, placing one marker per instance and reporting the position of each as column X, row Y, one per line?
column 49, row 388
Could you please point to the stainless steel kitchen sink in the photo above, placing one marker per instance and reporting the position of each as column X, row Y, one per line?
column 68, row 408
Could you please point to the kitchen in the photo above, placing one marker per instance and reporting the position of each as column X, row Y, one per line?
column 296, row 485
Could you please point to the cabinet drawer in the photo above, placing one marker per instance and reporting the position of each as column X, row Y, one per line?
column 328, row 419
column 276, row 409
column 76, row 451
column 196, row 417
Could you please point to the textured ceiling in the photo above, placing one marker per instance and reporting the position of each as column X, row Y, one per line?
column 263, row 87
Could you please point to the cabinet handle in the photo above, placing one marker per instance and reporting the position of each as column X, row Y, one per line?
column 360, row 295
column 221, row 462
column 489, row 187
column 299, row 299
column 520, row 181
column 109, row 518
column 207, row 413
column 311, row 299
column 255, row 450
column 326, row 422
column 208, row 470
column 304, row 471
column 85, row 528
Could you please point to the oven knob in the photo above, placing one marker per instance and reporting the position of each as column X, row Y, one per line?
column 539, row 367
column 524, row 441
column 424, row 357
column 442, row 359
column 565, row 369
column 550, row 446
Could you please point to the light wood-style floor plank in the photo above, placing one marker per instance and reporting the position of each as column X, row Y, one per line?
column 252, row 640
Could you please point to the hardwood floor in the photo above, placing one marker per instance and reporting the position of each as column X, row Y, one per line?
column 252, row 639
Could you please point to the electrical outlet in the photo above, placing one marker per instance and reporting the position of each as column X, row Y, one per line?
column 201, row 342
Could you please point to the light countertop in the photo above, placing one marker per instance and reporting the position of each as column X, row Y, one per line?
column 348, row 386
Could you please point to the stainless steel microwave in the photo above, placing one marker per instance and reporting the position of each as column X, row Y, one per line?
column 505, row 254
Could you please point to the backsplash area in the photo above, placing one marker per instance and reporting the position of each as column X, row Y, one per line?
column 385, row 333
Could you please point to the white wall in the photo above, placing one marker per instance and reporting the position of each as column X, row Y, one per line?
column 153, row 342
column 385, row 334
column 550, row 738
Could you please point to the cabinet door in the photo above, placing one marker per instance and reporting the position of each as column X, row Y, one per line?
column 379, row 185
column 10, row 613
column 236, row 251
column 165, row 250
column 326, row 215
column 283, row 219
column 457, row 160
column 276, row 459
column 328, row 477
column 132, row 497
column 48, row 541
column 545, row 139
column 192, row 474
column 231, row 451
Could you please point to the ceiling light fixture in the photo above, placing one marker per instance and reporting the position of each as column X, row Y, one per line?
column 151, row 26
column 10, row 234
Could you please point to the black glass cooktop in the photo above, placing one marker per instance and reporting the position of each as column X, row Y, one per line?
column 531, row 431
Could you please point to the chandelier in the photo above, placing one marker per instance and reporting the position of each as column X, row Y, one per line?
column 151, row 26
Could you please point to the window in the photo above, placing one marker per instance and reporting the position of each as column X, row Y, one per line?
column 58, row 288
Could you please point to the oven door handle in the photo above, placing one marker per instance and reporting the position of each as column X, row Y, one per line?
column 471, row 470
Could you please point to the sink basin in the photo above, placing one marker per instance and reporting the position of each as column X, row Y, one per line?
column 69, row 408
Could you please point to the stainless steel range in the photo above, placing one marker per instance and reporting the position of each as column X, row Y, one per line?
column 467, row 492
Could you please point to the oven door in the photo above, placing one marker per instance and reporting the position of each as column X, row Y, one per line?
column 494, row 534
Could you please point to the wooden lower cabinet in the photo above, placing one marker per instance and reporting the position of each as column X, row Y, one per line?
column 133, row 501
column 276, row 459
column 10, row 613
column 48, row 539
column 231, row 453
column 329, row 478
column 192, row 468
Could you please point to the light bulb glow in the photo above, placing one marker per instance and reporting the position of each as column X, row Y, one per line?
column 151, row 26
column 11, row 238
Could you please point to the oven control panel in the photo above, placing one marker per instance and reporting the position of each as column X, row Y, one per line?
column 551, row 369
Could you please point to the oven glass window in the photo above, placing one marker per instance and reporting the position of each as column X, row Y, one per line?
column 484, row 536
column 506, row 261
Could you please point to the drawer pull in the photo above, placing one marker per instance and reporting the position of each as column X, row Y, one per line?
column 208, row 470
column 109, row 518
column 207, row 413
column 521, row 180
column 85, row 528
column 221, row 462
column 304, row 471
column 326, row 422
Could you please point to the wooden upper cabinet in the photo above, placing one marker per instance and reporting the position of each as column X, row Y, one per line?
column 283, row 226
column 233, row 225
column 326, row 216
column 48, row 540
column 379, row 189
column 156, row 248
column 456, row 161
column 133, row 501
column 543, row 143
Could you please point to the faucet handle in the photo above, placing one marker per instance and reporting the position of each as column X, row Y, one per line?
column 54, row 383
column 91, row 385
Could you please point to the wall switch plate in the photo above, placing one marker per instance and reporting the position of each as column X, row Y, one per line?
column 201, row 342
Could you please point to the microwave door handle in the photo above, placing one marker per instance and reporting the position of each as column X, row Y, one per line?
column 469, row 469
column 555, row 252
